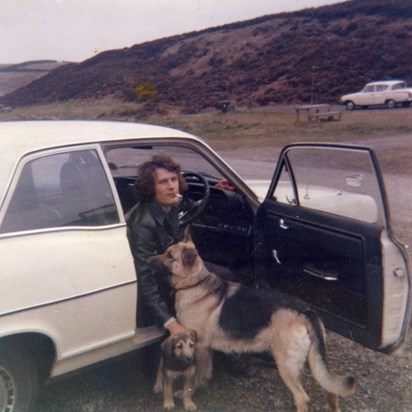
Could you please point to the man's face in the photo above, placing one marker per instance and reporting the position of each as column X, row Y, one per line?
column 166, row 185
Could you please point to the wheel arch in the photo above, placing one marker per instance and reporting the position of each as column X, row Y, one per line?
column 390, row 103
column 39, row 346
column 350, row 104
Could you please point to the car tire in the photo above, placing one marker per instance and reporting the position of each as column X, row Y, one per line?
column 18, row 379
column 350, row 105
column 390, row 104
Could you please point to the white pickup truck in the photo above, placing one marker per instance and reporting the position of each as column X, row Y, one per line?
column 389, row 93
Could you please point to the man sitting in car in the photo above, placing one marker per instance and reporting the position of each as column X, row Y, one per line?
column 153, row 226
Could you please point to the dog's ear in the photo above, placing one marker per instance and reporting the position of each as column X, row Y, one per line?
column 193, row 335
column 187, row 238
column 167, row 345
column 154, row 261
column 188, row 256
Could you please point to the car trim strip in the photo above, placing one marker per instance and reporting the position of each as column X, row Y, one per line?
column 42, row 305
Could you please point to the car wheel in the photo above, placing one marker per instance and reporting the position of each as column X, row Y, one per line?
column 390, row 104
column 18, row 380
column 350, row 105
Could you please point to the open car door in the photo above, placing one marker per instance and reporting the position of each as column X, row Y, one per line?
column 323, row 239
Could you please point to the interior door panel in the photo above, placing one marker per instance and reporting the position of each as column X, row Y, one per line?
column 326, row 244
column 330, row 269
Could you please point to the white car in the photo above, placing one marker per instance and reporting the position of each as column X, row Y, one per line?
column 320, row 237
column 389, row 93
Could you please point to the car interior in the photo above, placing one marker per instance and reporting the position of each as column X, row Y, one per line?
column 223, row 232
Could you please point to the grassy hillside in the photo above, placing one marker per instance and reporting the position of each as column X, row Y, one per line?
column 310, row 55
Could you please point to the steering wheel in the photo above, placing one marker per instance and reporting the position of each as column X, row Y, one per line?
column 190, row 209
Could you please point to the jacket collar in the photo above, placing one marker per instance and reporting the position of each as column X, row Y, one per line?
column 161, row 215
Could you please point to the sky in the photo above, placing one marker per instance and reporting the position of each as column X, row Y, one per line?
column 75, row 30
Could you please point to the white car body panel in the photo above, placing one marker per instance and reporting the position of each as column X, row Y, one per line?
column 79, row 311
column 396, row 287
column 73, row 255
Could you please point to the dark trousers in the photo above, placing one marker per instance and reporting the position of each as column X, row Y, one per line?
column 224, row 273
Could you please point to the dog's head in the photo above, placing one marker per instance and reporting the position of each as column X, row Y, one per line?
column 181, row 347
column 182, row 260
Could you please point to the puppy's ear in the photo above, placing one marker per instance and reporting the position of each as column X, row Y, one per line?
column 188, row 256
column 187, row 238
column 193, row 335
column 167, row 345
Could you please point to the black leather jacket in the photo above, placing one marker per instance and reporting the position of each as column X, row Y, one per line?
column 151, row 231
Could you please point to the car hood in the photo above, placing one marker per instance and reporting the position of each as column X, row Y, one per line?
column 349, row 96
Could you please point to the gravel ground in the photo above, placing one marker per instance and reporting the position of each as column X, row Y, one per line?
column 384, row 382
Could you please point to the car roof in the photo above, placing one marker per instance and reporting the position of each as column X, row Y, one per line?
column 22, row 137
column 387, row 82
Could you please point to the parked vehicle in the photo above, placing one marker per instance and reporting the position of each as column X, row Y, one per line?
column 320, row 236
column 389, row 93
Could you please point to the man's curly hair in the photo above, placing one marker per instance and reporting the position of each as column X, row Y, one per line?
column 144, row 188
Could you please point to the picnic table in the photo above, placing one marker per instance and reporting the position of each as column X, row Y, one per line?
column 317, row 112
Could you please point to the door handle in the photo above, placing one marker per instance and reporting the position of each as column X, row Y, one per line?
column 321, row 274
column 283, row 225
column 275, row 256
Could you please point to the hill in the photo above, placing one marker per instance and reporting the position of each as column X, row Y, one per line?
column 15, row 76
column 314, row 54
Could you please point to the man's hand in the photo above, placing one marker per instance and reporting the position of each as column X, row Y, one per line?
column 175, row 328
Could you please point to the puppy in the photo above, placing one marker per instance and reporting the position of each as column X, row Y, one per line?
column 177, row 360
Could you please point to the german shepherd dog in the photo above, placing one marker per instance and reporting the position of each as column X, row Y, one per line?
column 229, row 317
column 177, row 360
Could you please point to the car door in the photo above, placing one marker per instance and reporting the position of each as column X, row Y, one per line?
column 381, row 94
column 64, row 244
column 323, row 239
column 367, row 96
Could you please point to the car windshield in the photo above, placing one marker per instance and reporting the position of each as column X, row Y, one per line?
column 123, row 161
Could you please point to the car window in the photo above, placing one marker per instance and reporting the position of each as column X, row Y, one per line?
column 64, row 189
column 398, row 86
column 368, row 89
column 335, row 181
column 381, row 87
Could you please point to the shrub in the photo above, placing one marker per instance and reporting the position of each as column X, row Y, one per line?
column 145, row 91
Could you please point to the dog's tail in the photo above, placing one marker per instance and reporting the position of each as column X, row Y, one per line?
column 339, row 385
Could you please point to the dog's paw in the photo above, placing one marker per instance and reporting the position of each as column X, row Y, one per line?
column 158, row 389
column 190, row 406
column 202, row 382
column 178, row 394
column 168, row 405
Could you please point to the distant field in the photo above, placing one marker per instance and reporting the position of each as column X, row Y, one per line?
column 270, row 126
column 14, row 76
column 259, row 126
